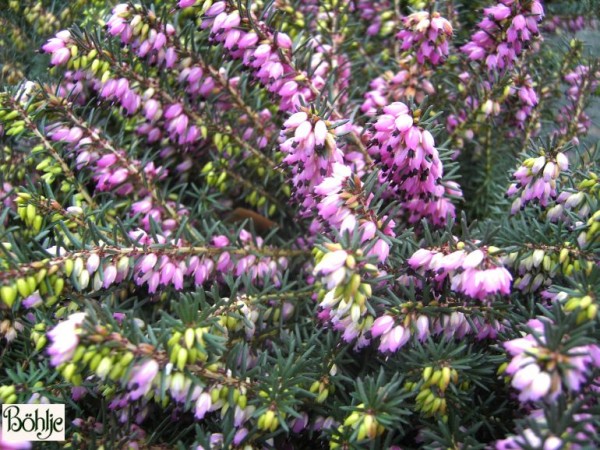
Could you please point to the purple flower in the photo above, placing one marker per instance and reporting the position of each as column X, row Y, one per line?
column 539, row 371
column 57, row 47
column 239, row 436
column 476, row 274
column 185, row 3
column 110, row 274
column 532, row 382
column 32, row 301
column 93, row 262
column 427, row 36
column 536, row 180
column 78, row 392
column 147, row 262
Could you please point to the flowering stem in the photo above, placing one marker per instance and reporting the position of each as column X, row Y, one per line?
column 224, row 83
column 141, row 180
column 125, row 70
column 112, row 250
column 579, row 107
column 119, row 341
column 15, row 106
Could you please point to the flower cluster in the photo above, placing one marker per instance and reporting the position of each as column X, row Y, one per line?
column 146, row 42
column 539, row 372
column 542, row 435
column 155, row 42
column 411, row 82
column 572, row 119
column 411, row 163
column 59, row 48
column 345, row 208
column 426, row 35
column 579, row 200
column 536, row 180
column 262, row 53
column 507, row 29
column 345, row 292
column 241, row 218
column 533, row 271
column 525, row 99
column 147, row 376
column 311, row 152
column 114, row 171
column 151, row 40
column 155, row 270
column 477, row 273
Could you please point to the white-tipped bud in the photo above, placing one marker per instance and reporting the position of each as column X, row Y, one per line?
column 538, row 164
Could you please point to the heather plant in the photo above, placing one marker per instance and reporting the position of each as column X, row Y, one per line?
column 302, row 224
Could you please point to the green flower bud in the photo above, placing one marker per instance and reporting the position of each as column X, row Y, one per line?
column 23, row 287
column 8, row 294
column 182, row 356
column 104, row 367
column 189, row 337
column 41, row 343
column 69, row 371
column 68, row 267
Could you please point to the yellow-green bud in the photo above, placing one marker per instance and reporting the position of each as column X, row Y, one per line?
column 8, row 294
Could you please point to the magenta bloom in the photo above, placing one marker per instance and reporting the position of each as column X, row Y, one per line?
column 475, row 274
column 508, row 27
column 58, row 48
column 427, row 36
column 411, row 163
column 536, row 181
column 312, row 153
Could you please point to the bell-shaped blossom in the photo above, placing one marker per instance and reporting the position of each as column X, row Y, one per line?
column 64, row 339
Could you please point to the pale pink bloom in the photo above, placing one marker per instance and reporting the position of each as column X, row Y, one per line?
column 64, row 338
column 394, row 339
column 203, row 405
column 141, row 377
column 382, row 325
column 110, row 274
column 18, row 445
column 420, row 258
column 331, row 262
column 473, row 259
column 93, row 262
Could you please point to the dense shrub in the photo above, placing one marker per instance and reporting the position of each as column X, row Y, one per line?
column 302, row 224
